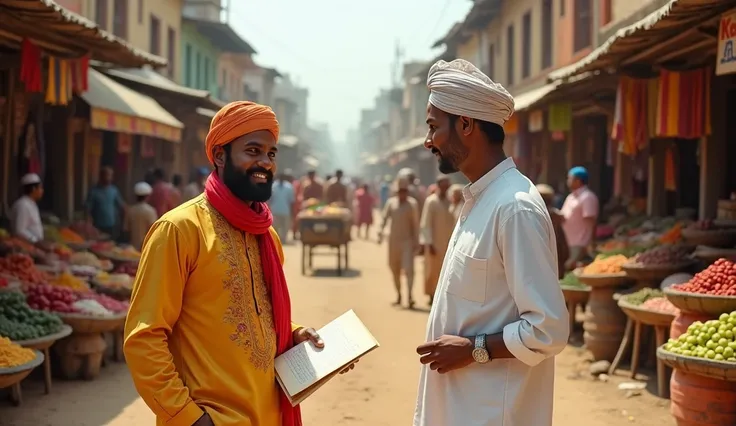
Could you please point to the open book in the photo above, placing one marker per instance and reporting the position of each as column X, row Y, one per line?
column 304, row 368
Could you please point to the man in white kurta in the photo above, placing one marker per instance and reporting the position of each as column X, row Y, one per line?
column 498, row 290
column 25, row 217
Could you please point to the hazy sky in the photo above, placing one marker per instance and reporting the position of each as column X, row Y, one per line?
column 342, row 51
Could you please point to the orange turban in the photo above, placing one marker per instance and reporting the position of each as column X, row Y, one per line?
column 237, row 119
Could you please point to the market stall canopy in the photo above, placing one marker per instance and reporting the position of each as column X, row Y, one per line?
column 150, row 79
column 117, row 108
column 678, row 23
column 222, row 36
column 406, row 145
column 62, row 32
column 531, row 97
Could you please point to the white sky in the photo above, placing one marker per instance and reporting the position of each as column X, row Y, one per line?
column 342, row 50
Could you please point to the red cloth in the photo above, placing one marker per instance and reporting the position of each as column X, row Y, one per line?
column 257, row 220
column 364, row 202
column 30, row 66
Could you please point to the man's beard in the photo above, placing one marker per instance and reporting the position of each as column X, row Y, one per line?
column 242, row 186
column 454, row 154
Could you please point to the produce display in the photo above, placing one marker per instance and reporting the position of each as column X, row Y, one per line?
column 118, row 252
column 13, row 355
column 673, row 235
column 605, row 265
column 86, row 258
column 17, row 244
column 628, row 251
column 66, row 279
column 86, row 230
column 127, row 268
column 660, row 304
column 570, row 280
column 662, row 256
column 21, row 267
column 639, row 297
column 69, row 236
column 18, row 321
column 4, row 282
column 718, row 279
column 83, row 271
column 704, row 225
column 713, row 339
column 61, row 250
column 328, row 210
column 111, row 305
column 114, row 280
column 51, row 298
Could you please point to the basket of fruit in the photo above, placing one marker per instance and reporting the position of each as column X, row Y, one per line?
column 16, row 362
column 706, row 349
column 604, row 271
column 44, row 342
column 573, row 290
column 711, row 254
column 658, row 263
column 649, row 307
column 710, row 292
column 21, row 321
column 706, row 233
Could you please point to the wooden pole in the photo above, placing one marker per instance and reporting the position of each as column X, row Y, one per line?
column 8, row 137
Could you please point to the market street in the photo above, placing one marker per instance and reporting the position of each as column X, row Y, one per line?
column 382, row 388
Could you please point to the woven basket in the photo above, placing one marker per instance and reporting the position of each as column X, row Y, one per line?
column 13, row 375
column 645, row 316
column 46, row 341
column 701, row 303
column 720, row 238
column 575, row 294
column 656, row 273
column 87, row 324
column 720, row 370
column 602, row 280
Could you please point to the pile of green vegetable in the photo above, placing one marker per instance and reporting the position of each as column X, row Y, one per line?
column 641, row 296
column 18, row 321
column 571, row 281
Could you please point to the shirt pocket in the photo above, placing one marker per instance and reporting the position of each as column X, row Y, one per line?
column 467, row 277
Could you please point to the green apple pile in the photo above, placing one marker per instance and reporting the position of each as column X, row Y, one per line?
column 713, row 339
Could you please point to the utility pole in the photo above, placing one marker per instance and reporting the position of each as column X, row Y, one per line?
column 396, row 67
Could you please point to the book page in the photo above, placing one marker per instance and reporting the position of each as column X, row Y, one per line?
column 346, row 339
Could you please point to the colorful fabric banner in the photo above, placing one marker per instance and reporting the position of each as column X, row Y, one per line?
column 560, row 117
column 114, row 122
column 630, row 127
column 30, row 66
column 58, row 87
column 683, row 107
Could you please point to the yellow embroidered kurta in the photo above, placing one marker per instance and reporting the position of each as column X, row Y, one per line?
column 200, row 332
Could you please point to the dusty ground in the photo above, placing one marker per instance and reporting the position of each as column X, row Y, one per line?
column 381, row 391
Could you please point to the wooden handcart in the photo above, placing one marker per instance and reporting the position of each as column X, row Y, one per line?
column 330, row 231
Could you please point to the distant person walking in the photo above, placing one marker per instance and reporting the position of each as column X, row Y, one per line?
column 580, row 211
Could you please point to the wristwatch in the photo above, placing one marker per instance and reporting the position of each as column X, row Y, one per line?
column 480, row 353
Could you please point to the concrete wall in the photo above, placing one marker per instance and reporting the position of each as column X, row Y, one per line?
column 231, row 76
column 197, row 49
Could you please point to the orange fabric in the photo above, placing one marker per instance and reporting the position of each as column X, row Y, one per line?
column 683, row 109
column 237, row 119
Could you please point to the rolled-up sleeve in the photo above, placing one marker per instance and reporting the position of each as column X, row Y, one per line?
column 530, row 263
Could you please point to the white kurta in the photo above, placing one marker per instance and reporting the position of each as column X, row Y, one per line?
column 499, row 276
column 26, row 219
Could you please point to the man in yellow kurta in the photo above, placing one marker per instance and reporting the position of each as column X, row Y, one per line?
column 210, row 308
column 403, row 240
column 436, row 226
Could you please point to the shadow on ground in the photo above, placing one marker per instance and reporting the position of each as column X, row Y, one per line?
column 332, row 273
column 86, row 403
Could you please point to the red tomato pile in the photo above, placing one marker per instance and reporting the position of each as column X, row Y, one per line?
column 127, row 268
column 718, row 279
column 51, row 298
column 3, row 282
column 107, row 302
column 21, row 266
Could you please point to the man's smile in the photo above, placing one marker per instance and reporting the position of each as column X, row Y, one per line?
column 259, row 177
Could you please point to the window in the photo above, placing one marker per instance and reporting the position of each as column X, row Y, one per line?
column 526, row 45
column 562, row 8
column 546, row 34
column 155, row 30
column 606, row 12
column 206, row 84
column 120, row 18
column 140, row 12
column 197, row 80
column 510, row 55
column 583, row 28
column 188, row 65
column 171, row 51
column 101, row 13
column 491, row 61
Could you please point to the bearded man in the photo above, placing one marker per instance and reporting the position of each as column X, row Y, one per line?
column 210, row 308
column 498, row 317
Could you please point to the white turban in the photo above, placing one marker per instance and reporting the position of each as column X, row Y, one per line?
column 462, row 89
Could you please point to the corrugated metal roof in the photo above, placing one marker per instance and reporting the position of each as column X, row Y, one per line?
column 107, row 94
column 49, row 24
column 666, row 22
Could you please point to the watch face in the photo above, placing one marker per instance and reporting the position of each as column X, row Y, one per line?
column 480, row 355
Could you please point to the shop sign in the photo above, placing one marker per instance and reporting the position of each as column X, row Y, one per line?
column 726, row 56
column 536, row 121
column 124, row 143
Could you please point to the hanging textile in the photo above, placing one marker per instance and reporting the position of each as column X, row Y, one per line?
column 79, row 70
column 30, row 66
column 683, row 104
column 652, row 105
column 29, row 161
column 630, row 115
column 560, row 117
column 670, row 181
column 59, row 87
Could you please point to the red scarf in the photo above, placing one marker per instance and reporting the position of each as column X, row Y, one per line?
column 257, row 220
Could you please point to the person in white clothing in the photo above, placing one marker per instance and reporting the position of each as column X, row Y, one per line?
column 25, row 217
column 498, row 317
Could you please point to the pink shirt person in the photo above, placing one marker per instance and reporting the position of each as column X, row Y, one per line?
column 580, row 207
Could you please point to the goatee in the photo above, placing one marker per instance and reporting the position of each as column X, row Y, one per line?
column 242, row 186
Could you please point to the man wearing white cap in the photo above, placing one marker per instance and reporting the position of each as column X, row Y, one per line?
column 498, row 317
column 25, row 217
column 140, row 216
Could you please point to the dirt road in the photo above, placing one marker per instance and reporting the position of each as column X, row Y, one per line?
column 380, row 392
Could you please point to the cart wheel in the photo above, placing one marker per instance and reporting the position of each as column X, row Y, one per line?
column 304, row 259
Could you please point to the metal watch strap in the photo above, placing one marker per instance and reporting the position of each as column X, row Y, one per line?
column 480, row 342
